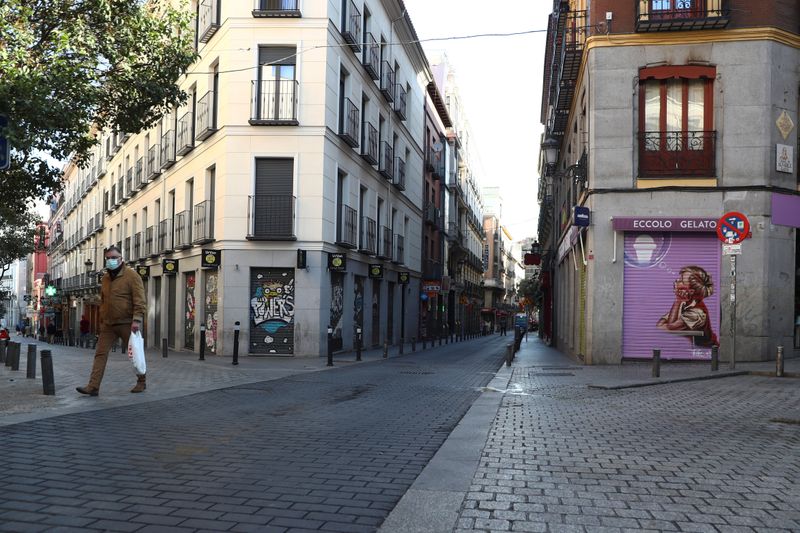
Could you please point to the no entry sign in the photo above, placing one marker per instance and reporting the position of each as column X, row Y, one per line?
column 733, row 228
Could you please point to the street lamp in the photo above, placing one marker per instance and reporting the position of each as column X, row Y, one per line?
column 550, row 148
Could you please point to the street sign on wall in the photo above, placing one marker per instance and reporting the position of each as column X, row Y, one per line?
column 733, row 228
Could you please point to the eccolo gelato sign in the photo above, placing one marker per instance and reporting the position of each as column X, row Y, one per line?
column 664, row 224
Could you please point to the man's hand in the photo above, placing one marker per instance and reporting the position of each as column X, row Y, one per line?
column 135, row 325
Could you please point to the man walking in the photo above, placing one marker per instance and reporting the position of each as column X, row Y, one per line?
column 122, row 310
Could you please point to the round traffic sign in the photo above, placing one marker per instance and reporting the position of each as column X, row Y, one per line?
column 733, row 228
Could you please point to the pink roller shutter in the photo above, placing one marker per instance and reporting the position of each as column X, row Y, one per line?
column 653, row 263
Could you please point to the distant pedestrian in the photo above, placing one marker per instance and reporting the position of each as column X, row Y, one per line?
column 84, row 327
column 51, row 332
column 122, row 310
column 502, row 327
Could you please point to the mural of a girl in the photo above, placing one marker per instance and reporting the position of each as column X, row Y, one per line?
column 689, row 315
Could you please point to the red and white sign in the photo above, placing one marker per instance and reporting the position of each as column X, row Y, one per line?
column 733, row 228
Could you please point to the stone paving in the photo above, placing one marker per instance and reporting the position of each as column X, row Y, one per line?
column 721, row 455
column 332, row 450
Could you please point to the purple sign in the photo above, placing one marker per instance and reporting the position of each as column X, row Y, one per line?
column 786, row 210
column 671, row 295
column 664, row 224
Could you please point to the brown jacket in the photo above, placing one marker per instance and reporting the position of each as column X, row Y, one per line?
column 122, row 299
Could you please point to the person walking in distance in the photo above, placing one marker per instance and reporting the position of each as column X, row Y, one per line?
column 122, row 310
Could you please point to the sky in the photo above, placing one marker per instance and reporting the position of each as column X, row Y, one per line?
column 500, row 81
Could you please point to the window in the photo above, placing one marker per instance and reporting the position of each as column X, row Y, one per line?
column 674, row 8
column 275, row 90
column 676, row 136
column 271, row 208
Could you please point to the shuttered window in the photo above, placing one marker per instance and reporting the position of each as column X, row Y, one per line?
column 277, row 55
column 273, row 203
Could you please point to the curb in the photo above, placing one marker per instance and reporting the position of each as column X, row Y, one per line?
column 668, row 381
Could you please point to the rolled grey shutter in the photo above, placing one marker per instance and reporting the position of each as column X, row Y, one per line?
column 274, row 176
column 273, row 208
column 277, row 55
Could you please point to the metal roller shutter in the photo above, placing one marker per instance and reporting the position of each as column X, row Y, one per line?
column 653, row 263
column 277, row 55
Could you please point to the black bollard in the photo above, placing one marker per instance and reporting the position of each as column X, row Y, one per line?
column 779, row 362
column 31, row 362
column 413, row 344
column 236, row 326
column 3, row 350
column 48, row 382
column 202, row 342
column 509, row 353
column 164, row 348
column 714, row 358
column 13, row 354
column 330, row 346
column 423, row 342
column 656, row 363
column 358, row 344
column 402, row 340
column 385, row 349
column 440, row 338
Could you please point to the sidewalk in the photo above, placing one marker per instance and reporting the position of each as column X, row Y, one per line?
column 439, row 495
column 179, row 374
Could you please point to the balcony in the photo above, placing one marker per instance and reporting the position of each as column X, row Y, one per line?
column 274, row 103
column 185, row 140
column 168, row 156
column 101, row 167
column 137, row 247
column 670, row 154
column 183, row 230
column 138, row 174
column 370, row 145
column 400, row 102
column 128, row 183
column 351, row 32
column 127, row 250
column 276, row 8
column 207, row 19
column 387, row 81
column 165, row 245
column 567, row 36
column 399, row 174
column 203, row 222
column 430, row 213
column 121, row 191
column 387, row 158
column 270, row 217
column 693, row 15
column 385, row 243
column 372, row 57
column 431, row 270
column 346, row 227
column 348, row 128
column 434, row 162
column 206, row 116
column 367, row 238
column 153, row 168
column 399, row 249
column 149, row 243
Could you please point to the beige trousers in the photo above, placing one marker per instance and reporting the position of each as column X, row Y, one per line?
column 108, row 335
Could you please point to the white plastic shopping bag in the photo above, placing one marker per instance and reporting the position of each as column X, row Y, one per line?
column 136, row 353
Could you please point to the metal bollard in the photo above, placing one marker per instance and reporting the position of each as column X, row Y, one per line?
column 31, row 362
column 423, row 342
column 358, row 344
column 714, row 358
column 164, row 348
column 3, row 350
column 13, row 354
column 330, row 346
column 236, row 326
column 385, row 348
column 779, row 362
column 48, row 382
column 402, row 341
column 202, row 342
column 656, row 363
column 413, row 344
column 509, row 353
column 440, row 338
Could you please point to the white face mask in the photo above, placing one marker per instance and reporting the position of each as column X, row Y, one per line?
column 113, row 263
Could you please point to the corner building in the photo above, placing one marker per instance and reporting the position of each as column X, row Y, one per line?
column 664, row 116
column 285, row 196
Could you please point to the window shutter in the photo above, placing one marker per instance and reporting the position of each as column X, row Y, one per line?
column 274, row 176
column 277, row 55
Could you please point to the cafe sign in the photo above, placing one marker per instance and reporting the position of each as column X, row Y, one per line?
column 664, row 224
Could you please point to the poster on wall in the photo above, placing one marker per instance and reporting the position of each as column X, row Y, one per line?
column 272, row 311
column 671, row 295
column 210, row 311
column 337, row 309
column 189, row 312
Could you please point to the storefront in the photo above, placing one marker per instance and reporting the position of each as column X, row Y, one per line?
column 671, row 286
column 786, row 212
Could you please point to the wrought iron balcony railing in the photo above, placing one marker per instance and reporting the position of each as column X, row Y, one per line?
column 399, row 249
column 667, row 154
column 372, row 56
column 352, row 26
column 185, row 140
column 165, row 243
column 400, row 102
column 271, row 217
column 276, row 8
column 168, row 156
column 153, row 167
column 387, row 81
column 369, row 148
column 138, row 174
column 399, row 174
column 128, row 183
column 367, row 240
column 348, row 129
column 183, row 230
column 274, row 103
column 137, row 247
column 206, row 115
column 385, row 243
column 346, row 227
column 149, row 242
column 386, row 167
column 207, row 19
column 203, row 222
column 681, row 15
column 431, row 269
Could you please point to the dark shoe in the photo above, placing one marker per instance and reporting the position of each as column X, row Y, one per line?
column 88, row 390
column 141, row 385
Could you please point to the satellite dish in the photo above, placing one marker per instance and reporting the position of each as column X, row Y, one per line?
column 437, row 146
